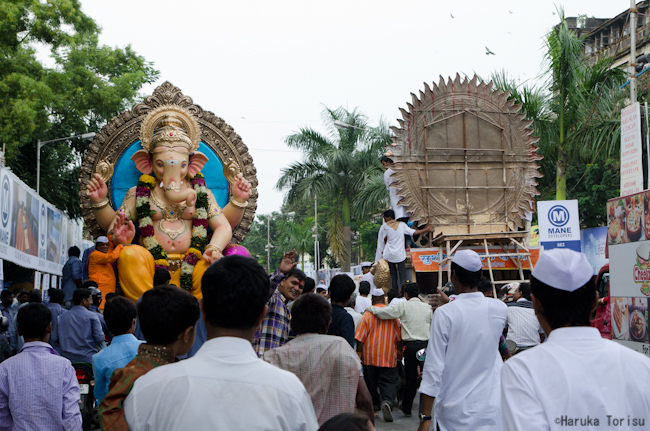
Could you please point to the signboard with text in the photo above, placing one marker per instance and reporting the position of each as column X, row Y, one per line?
column 631, row 166
column 426, row 259
column 559, row 224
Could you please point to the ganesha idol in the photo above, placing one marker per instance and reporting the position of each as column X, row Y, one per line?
column 171, row 205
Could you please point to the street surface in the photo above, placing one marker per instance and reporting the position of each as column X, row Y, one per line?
column 399, row 421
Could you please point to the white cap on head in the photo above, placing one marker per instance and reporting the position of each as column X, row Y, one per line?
column 468, row 259
column 365, row 264
column 376, row 292
column 563, row 269
column 102, row 240
column 322, row 286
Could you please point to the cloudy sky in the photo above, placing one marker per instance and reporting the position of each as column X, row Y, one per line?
column 268, row 67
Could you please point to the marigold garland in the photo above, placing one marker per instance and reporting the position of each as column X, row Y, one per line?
column 199, row 226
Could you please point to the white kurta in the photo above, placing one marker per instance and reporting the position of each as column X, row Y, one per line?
column 393, row 249
column 463, row 363
column 370, row 279
column 400, row 210
column 573, row 380
column 362, row 303
column 225, row 386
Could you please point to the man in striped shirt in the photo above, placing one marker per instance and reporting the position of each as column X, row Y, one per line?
column 523, row 326
column 380, row 344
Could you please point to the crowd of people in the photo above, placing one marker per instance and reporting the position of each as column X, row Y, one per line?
column 274, row 352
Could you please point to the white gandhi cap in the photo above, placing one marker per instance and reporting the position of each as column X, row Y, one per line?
column 468, row 259
column 376, row 292
column 102, row 240
column 563, row 269
column 364, row 264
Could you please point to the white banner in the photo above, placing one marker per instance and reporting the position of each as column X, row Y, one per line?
column 54, row 283
column 559, row 224
column 46, row 282
column 37, row 280
column 33, row 233
column 631, row 166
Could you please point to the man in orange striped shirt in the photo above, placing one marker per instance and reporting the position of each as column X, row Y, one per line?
column 380, row 344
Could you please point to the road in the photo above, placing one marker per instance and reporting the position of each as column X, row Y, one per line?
column 399, row 421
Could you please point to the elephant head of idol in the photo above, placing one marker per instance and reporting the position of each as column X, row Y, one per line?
column 170, row 137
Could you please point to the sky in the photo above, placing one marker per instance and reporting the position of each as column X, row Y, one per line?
column 269, row 67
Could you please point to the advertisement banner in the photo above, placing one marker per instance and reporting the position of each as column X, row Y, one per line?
column 33, row 234
column 593, row 243
column 631, row 166
column 629, row 268
column 37, row 280
column 559, row 224
column 426, row 259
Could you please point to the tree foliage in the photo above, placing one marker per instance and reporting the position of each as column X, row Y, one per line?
column 86, row 86
column 575, row 110
column 336, row 167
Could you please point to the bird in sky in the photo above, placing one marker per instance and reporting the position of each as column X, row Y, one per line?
column 451, row 16
column 510, row 11
column 488, row 52
column 553, row 13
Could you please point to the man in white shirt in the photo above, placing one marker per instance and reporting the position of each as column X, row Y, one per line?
column 362, row 302
column 400, row 210
column 523, row 326
column 225, row 385
column 367, row 275
column 391, row 246
column 415, row 317
column 576, row 379
column 462, row 366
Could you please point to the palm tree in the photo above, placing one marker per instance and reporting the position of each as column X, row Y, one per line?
column 576, row 110
column 335, row 167
column 297, row 236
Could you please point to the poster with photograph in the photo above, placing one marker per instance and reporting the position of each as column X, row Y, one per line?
column 593, row 243
column 629, row 269
column 33, row 234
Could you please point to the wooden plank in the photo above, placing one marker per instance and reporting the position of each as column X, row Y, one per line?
column 489, row 261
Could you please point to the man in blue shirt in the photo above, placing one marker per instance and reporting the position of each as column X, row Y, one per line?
column 94, row 307
column 38, row 388
column 72, row 273
column 56, row 308
column 79, row 330
column 119, row 314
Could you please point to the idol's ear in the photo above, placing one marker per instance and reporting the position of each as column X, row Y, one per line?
column 142, row 161
column 197, row 161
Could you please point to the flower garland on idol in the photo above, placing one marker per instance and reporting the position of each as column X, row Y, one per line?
column 199, row 226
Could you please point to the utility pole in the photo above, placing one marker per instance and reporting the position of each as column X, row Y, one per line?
column 268, row 244
column 633, row 17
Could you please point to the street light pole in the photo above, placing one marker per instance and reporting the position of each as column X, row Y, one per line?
column 39, row 145
column 268, row 245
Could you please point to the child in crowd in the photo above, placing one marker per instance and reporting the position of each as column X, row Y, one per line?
column 168, row 317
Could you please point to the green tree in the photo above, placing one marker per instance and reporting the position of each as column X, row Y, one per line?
column 335, row 166
column 87, row 85
column 575, row 112
column 298, row 236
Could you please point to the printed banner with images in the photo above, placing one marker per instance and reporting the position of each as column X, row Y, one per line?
column 628, row 221
column 33, row 233
column 593, row 243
